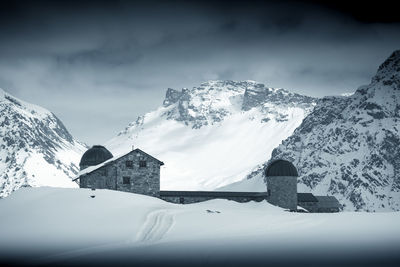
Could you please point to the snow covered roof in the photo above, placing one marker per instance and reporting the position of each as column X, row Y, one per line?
column 109, row 161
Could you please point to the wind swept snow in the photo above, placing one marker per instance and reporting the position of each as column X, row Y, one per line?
column 50, row 225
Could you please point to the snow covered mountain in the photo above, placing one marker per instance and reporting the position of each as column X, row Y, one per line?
column 36, row 148
column 213, row 135
column 349, row 147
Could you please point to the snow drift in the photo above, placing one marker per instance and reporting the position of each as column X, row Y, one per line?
column 55, row 225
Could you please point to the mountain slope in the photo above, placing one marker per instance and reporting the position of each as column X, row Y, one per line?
column 36, row 148
column 212, row 135
column 349, row 147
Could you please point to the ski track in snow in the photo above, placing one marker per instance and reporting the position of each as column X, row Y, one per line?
column 156, row 225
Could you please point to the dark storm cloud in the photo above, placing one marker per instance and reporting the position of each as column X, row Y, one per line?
column 98, row 65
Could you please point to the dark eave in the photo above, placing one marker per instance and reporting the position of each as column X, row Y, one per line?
column 306, row 197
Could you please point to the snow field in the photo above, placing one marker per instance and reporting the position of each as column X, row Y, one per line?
column 212, row 156
column 70, row 223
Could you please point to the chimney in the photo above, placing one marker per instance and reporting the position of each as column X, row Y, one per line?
column 133, row 147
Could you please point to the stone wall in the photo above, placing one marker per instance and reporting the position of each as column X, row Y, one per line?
column 315, row 207
column 327, row 209
column 99, row 179
column 189, row 199
column 282, row 191
column 142, row 180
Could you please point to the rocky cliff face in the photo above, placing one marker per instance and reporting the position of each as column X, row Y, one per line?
column 349, row 147
column 213, row 134
column 212, row 101
column 36, row 148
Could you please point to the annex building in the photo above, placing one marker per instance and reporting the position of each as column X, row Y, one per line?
column 139, row 172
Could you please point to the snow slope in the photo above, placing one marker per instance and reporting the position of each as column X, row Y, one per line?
column 213, row 135
column 50, row 225
column 36, row 148
column 349, row 147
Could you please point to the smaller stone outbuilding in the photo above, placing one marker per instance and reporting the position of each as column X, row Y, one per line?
column 281, row 176
column 328, row 204
column 318, row 203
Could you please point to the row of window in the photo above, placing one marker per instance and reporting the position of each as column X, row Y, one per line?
column 142, row 164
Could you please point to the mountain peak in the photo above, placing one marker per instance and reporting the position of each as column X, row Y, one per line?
column 390, row 67
column 215, row 99
column 229, row 84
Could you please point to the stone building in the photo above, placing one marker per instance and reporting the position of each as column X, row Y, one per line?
column 318, row 203
column 135, row 172
column 281, row 178
column 328, row 204
column 138, row 172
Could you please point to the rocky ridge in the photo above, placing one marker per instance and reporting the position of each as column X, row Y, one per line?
column 349, row 147
column 36, row 148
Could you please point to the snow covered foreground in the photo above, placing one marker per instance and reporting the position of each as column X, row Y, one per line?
column 53, row 225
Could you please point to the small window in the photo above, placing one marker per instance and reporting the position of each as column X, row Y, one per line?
column 126, row 180
column 129, row 164
column 142, row 164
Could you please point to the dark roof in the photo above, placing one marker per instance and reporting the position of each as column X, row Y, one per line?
column 95, row 156
column 327, row 202
column 281, row 167
column 306, row 197
column 215, row 194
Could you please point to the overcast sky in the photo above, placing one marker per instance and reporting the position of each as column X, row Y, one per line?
column 99, row 65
